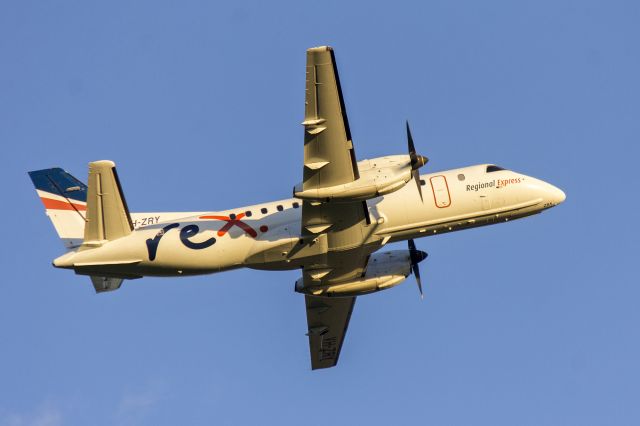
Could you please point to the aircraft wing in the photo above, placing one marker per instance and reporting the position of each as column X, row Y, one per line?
column 332, row 233
column 329, row 158
column 327, row 319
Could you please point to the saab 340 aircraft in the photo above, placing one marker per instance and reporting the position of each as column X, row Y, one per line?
column 341, row 215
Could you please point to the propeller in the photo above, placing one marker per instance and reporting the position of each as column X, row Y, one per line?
column 417, row 161
column 416, row 256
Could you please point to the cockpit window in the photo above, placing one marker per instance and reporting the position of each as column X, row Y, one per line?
column 493, row 168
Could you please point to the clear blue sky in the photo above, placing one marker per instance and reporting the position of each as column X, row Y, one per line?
column 534, row 322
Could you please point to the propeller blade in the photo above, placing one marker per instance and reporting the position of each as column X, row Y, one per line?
column 412, row 248
column 417, row 160
column 416, row 257
column 416, row 177
column 416, row 273
column 412, row 148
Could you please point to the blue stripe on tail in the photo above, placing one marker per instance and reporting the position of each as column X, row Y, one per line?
column 57, row 181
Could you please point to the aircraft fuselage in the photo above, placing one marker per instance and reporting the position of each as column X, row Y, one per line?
column 268, row 236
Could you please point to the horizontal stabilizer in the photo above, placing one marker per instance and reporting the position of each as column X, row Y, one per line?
column 103, row 284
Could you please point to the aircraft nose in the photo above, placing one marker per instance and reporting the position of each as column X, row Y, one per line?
column 556, row 195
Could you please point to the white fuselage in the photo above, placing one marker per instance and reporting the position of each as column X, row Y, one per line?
column 262, row 236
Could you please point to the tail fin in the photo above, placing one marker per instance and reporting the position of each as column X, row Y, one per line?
column 107, row 212
column 65, row 200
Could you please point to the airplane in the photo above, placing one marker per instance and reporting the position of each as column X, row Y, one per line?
column 333, row 228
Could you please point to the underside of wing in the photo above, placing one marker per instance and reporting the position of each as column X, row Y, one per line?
column 329, row 157
column 333, row 234
column 327, row 319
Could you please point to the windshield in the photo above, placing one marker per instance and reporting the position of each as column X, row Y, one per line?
column 494, row 168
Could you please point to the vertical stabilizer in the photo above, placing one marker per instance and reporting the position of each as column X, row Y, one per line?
column 107, row 213
column 65, row 200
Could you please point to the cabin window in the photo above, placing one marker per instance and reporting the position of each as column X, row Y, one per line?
column 232, row 216
column 264, row 210
column 248, row 213
column 296, row 205
column 422, row 182
column 493, row 168
column 280, row 208
column 460, row 177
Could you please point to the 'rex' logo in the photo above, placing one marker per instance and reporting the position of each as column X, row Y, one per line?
column 190, row 231
column 234, row 220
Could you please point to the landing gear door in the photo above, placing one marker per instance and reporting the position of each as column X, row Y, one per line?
column 440, row 189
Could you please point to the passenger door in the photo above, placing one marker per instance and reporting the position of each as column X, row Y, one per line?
column 440, row 189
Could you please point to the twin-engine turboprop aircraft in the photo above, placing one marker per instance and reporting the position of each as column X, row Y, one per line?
column 342, row 214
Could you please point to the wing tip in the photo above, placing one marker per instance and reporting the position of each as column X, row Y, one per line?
column 320, row 49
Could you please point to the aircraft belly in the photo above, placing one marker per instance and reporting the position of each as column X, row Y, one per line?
column 470, row 219
column 169, row 251
column 174, row 257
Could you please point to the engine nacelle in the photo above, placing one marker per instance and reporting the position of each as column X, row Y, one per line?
column 384, row 270
column 378, row 176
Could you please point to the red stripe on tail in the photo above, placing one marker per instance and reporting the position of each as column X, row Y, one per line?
column 50, row 204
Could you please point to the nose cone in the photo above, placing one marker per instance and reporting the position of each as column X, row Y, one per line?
column 418, row 256
column 418, row 161
column 555, row 195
